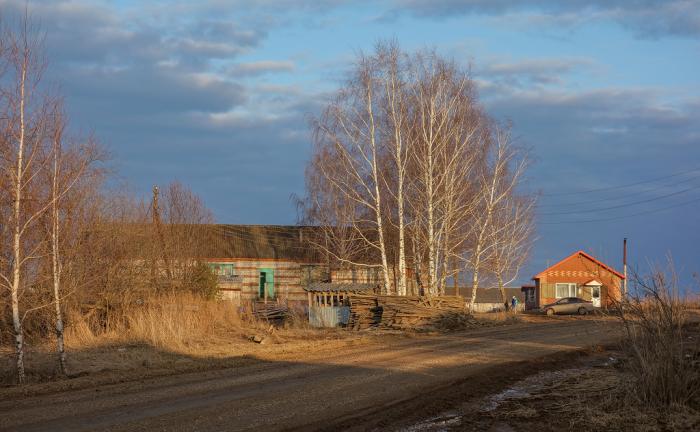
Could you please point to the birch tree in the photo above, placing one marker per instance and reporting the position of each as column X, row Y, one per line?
column 72, row 174
column 394, row 84
column 25, row 120
column 513, row 236
column 447, row 146
column 348, row 130
column 498, row 181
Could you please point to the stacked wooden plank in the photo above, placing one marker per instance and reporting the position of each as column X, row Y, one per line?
column 271, row 312
column 402, row 312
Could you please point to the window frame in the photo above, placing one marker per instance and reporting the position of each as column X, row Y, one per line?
column 569, row 286
column 220, row 269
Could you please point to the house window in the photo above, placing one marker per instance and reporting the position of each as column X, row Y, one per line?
column 223, row 269
column 565, row 290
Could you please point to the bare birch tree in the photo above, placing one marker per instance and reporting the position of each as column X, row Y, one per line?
column 513, row 236
column 349, row 131
column 394, row 68
column 73, row 172
column 447, row 146
column 498, row 182
column 25, row 124
column 414, row 160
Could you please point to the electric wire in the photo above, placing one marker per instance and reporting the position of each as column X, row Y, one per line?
column 622, row 186
column 621, row 205
column 623, row 216
column 618, row 197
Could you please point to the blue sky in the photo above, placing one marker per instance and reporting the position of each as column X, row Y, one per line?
column 217, row 94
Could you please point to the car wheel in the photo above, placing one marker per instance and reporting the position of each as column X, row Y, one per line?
column 582, row 311
column 549, row 312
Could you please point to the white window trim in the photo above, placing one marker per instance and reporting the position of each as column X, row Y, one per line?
column 570, row 287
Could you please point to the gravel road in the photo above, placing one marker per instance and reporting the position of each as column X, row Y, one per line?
column 325, row 389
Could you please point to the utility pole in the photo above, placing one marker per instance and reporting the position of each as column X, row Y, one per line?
column 624, row 267
column 159, row 232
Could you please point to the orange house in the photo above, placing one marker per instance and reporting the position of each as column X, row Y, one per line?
column 578, row 275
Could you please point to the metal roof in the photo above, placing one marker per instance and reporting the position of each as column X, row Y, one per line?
column 490, row 294
column 337, row 287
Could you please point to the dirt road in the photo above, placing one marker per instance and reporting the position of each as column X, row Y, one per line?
column 364, row 386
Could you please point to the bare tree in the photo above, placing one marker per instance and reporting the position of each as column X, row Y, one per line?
column 25, row 124
column 513, row 235
column 406, row 159
column 394, row 83
column 447, row 145
column 348, row 130
column 498, row 182
column 73, row 172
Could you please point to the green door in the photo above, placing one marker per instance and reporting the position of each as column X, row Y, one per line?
column 267, row 283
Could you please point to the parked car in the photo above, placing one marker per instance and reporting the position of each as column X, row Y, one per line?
column 569, row 305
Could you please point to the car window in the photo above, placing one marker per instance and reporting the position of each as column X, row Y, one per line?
column 563, row 301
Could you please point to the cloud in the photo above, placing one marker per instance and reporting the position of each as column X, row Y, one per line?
column 530, row 72
column 646, row 18
column 261, row 67
column 614, row 133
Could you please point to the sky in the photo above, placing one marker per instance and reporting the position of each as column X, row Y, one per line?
column 218, row 95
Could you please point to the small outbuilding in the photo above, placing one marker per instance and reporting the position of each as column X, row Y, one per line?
column 329, row 304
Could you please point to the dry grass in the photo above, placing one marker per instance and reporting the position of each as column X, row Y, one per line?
column 501, row 317
column 166, row 335
column 177, row 323
column 662, row 355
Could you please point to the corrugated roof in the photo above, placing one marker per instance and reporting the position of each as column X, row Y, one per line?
column 487, row 294
column 337, row 287
column 283, row 242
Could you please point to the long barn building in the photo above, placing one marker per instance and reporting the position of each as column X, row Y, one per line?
column 258, row 262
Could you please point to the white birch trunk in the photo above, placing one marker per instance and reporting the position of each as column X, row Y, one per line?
column 431, row 207
column 56, row 264
column 402, row 242
column 17, row 237
column 377, row 196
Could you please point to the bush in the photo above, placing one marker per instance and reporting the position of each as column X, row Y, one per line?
column 660, row 351
column 202, row 281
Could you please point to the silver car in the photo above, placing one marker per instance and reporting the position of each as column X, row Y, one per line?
column 569, row 305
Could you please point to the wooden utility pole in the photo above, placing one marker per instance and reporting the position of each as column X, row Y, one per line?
column 159, row 232
column 624, row 267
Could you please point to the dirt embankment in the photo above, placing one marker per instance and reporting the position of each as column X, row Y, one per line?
column 362, row 384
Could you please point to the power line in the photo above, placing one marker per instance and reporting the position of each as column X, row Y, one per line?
column 621, row 205
column 621, row 186
column 624, row 216
column 615, row 198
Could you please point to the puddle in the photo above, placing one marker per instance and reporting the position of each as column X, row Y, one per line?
column 526, row 387
column 520, row 390
column 437, row 424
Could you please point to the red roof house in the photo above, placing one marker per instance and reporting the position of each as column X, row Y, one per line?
column 578, row 275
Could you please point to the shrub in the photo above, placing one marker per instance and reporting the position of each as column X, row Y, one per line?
column 660, row 352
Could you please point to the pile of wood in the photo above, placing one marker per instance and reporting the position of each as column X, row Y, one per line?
column 402, row 312
column 271, row 312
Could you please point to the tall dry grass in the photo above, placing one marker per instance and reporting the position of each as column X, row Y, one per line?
column 662, row 353
column 179, row 322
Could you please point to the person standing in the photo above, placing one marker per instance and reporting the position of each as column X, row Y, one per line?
column 514, row 304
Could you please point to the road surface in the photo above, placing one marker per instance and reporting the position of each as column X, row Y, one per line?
column 354, row 387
